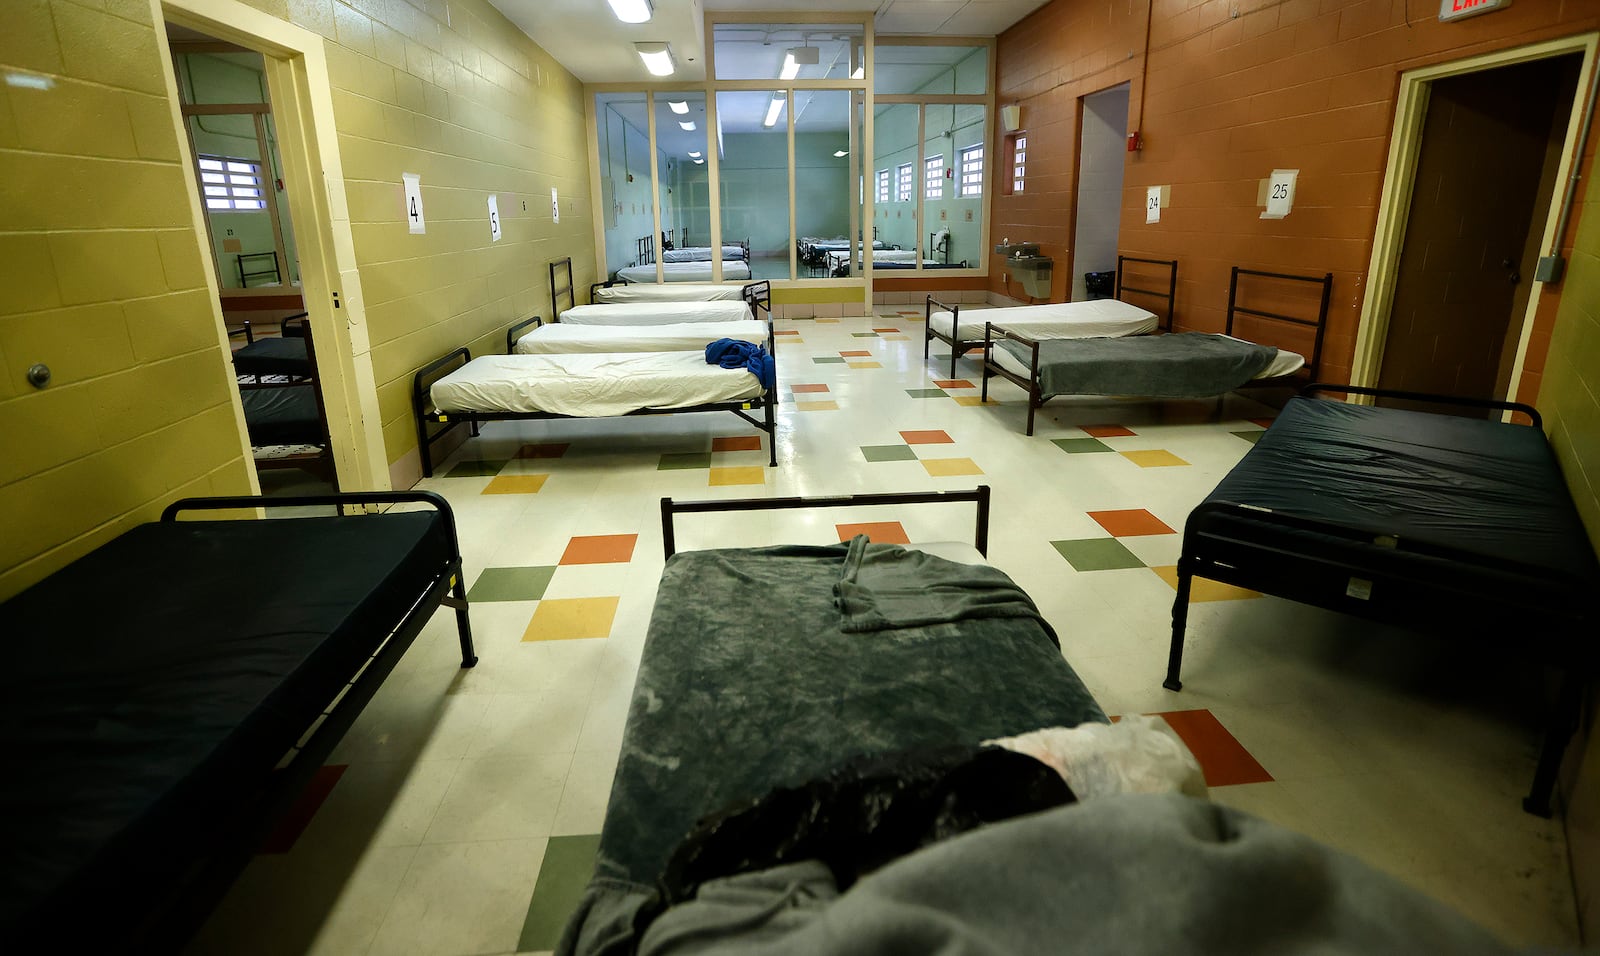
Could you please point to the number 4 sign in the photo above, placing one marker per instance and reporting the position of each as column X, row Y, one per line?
column 414, row 218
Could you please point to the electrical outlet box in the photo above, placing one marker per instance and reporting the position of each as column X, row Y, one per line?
column 1549, row 269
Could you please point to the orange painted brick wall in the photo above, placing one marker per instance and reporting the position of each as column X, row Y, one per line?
column 1233, row 89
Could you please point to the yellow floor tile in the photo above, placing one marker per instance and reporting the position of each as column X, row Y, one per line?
column 567, row 619
column 817, row 406
column 743, row 475
column 827, row 321
column 946, row 467
column 516, row 485
column 971, row 400
column 1201, row 589
column 865, row 364
column 1156, row 458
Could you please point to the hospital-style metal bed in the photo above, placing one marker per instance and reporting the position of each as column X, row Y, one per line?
column 1422, row 519
column 752, row 679
column 1173, row 365
column 169, row 695
column 645, row 252
column 1092, row 318
column 757, row 296
column 457, row 389
column 286, row 420
column 732, row 271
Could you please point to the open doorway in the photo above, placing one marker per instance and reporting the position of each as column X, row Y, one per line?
column 233, row 146
column 1486, row 171
column 1102, row 134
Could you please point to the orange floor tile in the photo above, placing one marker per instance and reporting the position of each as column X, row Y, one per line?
column 600, row 549
column 879, row 532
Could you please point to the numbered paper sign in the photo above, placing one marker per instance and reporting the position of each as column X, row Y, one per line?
column 1152, row 204
column 555, row 205
column 494, row 218
column 414, row 218
column 1280, row 193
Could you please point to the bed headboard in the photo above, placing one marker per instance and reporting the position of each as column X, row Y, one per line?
column 758, row 295
column 644, row 250
column 1318, row 325
column 561, row 284
column 1167, row 298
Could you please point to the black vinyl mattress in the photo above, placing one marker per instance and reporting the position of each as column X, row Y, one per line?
column 277, row 356
column 282, row 415
column 152, row 680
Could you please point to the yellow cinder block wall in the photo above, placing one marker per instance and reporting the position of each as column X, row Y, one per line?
column 457, row 94
column 1569, row 399
column 101, row 279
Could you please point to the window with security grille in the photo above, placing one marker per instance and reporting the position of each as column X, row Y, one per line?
column 902, row 192
column 933, row 177
column 883, row 185
column 972, row 170
column 1019, row 162
column 230, row 183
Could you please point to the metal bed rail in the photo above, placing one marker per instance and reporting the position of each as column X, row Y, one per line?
column 556, row 289
column 979, row 495
column 1486, row 404
column 992, row 368
column 1171, row 295
column 514, row 333
column 1320, row 323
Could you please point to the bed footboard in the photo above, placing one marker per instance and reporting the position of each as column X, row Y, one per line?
column 991, row 367
column 421, row 404
column 958, row 347
column 515, row 332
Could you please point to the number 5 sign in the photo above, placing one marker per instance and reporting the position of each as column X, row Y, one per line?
column 414, row 218
column 494, row 218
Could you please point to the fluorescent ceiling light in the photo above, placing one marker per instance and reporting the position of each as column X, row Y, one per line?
column 694, row 154
column 631, row 11
column 687, row 125
column 773, row 109
column 790, row 68
column 678, row 106
column 841, row 152
column 657, row 58
column 699, row 162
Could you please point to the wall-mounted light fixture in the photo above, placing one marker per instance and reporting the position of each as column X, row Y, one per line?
column 774, row 108
column 631, row 11
column 686, row 125
column 678, row 106
column 657, row 58
column 796, row 57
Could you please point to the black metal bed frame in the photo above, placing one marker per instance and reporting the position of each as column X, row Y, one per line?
column 321, row 462
column 960, row 347
column 457, row 358
column 165, row 928
column 644, row 249
column 979, row 495
column 1432, row 596
column 1036, row 397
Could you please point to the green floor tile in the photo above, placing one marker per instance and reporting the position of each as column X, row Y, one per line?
column 568, row 865
column 684, row 459
column 926, row 392
column 888, row 315
column 1251, row 436
column 888, row 453
column 864, row 335
column 475, row 469
column 511, row 584
column 829, row 360
column 1080, row 446
column 1097, row 554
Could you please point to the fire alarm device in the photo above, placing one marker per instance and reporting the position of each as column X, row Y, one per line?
column 1135, row 143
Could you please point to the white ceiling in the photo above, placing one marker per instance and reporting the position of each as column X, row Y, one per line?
column 587, row 39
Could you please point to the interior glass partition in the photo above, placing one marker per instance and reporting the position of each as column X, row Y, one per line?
column 822, row 184
column 685, row 233
column 753, row 162
column 953, row 141
column 622, row 126
column 897, row 177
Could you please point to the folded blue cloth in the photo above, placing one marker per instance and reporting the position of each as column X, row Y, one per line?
column 734, row 353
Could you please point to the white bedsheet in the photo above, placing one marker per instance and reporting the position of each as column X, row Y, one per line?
column 590, row 385
column 653, row 291
column 701, row 254
column 1284, row 363
column 1096, row 318
column 567, row 338
column 686, row 272
column 657, row 313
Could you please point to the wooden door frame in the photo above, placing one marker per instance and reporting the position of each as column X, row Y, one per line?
column 1394, row 203
column 302, row 103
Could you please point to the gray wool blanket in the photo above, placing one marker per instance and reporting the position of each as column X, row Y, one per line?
column 886, row 586
column 1134, row 874
column 749, row 681
column 1179, row 365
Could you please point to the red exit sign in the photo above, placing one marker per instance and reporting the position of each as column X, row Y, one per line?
column 1457, row 9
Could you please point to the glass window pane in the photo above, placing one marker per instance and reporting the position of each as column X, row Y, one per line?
column 685, row 234
column 787, row 51
column 894, row 219
column 219, row 204
column 955, row 219
column 622, row 126
column 939, row 70
column 823, row 193
column 753, row 143
column 933, row 177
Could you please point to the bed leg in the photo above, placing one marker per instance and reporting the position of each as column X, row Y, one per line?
column 955, row 353
column 772, row 438
column 1180, row 621
column 1562, row 722
column 1033, row 406
column 458, row 600
column 424, row 448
